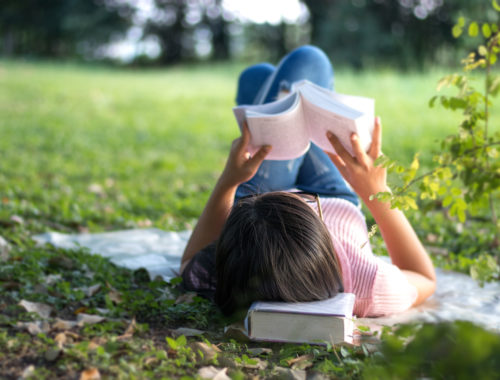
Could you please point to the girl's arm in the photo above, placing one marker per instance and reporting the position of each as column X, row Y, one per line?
column 403, row 245
column 240, row 167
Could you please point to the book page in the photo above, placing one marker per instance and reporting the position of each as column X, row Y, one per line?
column 319, row 121
column 286, row 131
column 341, row 114
column 341, row 305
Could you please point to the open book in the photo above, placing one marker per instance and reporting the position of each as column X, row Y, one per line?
column 306, row 322
column 304, row 115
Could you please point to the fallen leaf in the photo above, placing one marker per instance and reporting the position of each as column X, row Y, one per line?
column 95, row 188
column 115, row 296
column 60, row 339
column 41, row 309
column 213, row 373
column 90, row 374
column 299, row 359
column 28, row 372
column 237, row 332
column 34, row 328
column 91, row 290
column 260, row 351
column 259, row 364
column 186, row 332
column 208, row 352
column 17, row 219
column 129, row 331
column 51, row 279
column 226, row 361
column 82, row 309
column 61, row 324
column 90, row 319
column 4, row 249
column 289, row 374
column 52, row 354
column 185, row 298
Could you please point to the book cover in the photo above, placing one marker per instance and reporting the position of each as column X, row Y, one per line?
column 314, row 322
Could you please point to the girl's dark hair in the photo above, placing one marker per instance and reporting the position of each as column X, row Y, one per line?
column 274, row 247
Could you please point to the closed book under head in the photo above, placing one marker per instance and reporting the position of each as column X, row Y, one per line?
column 307, row 322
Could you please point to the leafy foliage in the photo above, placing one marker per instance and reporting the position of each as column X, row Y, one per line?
column 466, row 173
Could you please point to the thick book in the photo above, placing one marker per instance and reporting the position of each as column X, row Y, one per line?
column 314, row 322
column 304, row 115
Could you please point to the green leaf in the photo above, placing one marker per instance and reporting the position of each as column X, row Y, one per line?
column 432, row 101
column 181, row 341
column 172, row 343
column 461, row 21
column 473, row 29
column 486, row 30
column 493, row 59
column 482, row 50
column 456, row 31
column 495, row 5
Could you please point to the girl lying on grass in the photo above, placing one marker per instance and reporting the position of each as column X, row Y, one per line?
column 259, row 240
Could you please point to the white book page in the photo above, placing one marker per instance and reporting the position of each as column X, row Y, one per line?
column 286, row 132
column 341, row 305
column 319, row 121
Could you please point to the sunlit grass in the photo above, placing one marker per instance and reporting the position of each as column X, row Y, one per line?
column 152, row 142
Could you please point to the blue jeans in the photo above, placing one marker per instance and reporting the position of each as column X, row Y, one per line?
column 313, row 172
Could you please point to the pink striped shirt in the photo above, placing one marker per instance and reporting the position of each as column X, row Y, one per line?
column 380, row 287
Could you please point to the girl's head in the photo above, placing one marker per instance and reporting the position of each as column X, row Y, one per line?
column 274, row 247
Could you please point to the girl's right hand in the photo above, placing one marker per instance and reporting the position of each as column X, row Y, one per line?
column 359, row 171
column 240, row 165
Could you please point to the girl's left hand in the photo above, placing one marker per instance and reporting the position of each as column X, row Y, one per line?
column 360, row 171
column 240, row 166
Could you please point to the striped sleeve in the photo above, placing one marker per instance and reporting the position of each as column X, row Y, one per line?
column 380, row 288
column 392, row 293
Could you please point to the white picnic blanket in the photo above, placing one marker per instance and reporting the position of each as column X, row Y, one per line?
column 457, row 297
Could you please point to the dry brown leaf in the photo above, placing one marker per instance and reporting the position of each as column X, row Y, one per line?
column 91, row 290
column 52, row 354
column 34, row 328
column 185, row 298
column 61, row 324
column 41, row 309
column 115, row 296
column 204, row 352
column 28, row 372
column 300, row 359
column 4, row 249
column 260, row 364
column 60, row 339
column 260, row 351
column 187, row 332
column 129, row 331
column 82, row 309
column 90, row 374
column 90, row 319
column 213, row 373
column 289, row 374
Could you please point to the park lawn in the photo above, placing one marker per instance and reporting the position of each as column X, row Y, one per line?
column 86, row 148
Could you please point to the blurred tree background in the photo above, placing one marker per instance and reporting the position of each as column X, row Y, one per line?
column 358, row 33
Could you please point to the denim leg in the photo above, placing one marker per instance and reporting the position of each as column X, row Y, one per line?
column 251, row 80
column 306, row 62
column 318, row 174
column 272, row 176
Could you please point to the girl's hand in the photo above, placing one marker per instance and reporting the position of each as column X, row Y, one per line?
column 359, row 171
column 240, row 166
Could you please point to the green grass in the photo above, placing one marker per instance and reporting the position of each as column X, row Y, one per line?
column 155, row 140
column 93, row 148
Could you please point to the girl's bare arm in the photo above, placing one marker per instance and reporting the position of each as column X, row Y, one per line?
column 240, row 167
column 403, row 244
